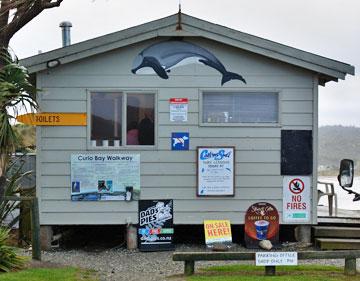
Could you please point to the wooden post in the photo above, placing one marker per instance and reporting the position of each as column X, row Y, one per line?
column 270, row 270
column 303, row 233
column 350, row 266
column 189, row 267
column 131, row 237
column 46, row 237
column 35, row 225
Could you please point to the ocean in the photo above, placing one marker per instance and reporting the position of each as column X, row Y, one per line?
column 344, row 199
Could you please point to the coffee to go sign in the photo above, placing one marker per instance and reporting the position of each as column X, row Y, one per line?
column 261, row 223
column 296, row 199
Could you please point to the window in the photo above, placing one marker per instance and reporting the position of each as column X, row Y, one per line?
column 119, row 119
column 240, row 107
column 140, row 119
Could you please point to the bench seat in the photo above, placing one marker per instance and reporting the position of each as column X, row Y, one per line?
column 189, row 258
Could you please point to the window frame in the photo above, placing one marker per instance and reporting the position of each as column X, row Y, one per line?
column 239, row 91
column 124, row 93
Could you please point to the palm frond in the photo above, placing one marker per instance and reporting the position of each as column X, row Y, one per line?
column 12, row 187
column 16, row 92
column 8, row 258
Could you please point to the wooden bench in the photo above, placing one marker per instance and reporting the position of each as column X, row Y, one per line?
column 189, row 258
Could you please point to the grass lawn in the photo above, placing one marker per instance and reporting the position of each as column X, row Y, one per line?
column 255, row 273
column 50, row 274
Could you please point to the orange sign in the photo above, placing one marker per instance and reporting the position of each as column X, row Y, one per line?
column 53, row 119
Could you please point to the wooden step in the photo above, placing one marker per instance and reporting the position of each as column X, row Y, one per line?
column 337, row 244
column 336, row 232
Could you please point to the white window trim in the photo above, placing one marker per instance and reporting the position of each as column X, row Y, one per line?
column 123, row 128
column 226, row 91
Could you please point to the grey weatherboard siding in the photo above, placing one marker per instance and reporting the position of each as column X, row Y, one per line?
column 167, row 174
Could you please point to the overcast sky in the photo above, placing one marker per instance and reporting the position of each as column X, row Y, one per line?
column 329, row 28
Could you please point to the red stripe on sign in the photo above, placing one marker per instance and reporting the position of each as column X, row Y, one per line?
column 179, row 100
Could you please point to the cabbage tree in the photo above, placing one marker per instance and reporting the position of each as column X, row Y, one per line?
column 16, row 93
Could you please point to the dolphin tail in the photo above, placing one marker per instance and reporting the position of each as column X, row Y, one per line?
column 227, row 76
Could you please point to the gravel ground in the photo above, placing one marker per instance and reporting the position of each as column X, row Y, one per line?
column 121, row 264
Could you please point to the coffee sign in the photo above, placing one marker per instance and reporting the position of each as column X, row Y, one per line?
column 261, row 223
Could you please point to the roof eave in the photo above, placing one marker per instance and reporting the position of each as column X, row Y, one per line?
column 97, row 45
column 329, row 68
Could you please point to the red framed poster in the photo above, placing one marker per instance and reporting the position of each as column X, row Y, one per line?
column 179, row 109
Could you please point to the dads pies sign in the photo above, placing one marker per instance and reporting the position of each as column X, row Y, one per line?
column 156, row 229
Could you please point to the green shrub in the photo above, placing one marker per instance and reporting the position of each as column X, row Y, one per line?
column 11, row 186
column 9, row 259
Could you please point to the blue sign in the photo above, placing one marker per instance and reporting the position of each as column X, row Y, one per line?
column 180, row 141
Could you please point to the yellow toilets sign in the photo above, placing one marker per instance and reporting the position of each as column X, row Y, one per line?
column 53, row 119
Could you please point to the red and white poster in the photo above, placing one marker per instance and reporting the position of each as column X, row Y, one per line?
column 179, row 109
column 296, row 199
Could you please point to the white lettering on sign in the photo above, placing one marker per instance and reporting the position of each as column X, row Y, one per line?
column 296, row 199
column 276, row 258
column 179, row 109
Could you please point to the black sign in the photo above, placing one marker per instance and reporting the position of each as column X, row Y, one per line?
column 156, row 229
column 296, row 152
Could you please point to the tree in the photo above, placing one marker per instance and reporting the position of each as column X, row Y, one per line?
column 15, row 14
column 26, row 135
column 15, row 91
column 15, row 87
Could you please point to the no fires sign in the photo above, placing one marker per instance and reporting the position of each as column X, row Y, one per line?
column 296, row 199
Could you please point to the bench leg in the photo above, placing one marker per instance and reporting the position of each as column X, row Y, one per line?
column 189, row 267
column 270, row 270
column 350, row 266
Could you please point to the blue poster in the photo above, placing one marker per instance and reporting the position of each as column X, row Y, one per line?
column 180, row 141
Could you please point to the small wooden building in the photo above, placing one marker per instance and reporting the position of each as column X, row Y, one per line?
column 277, row 97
